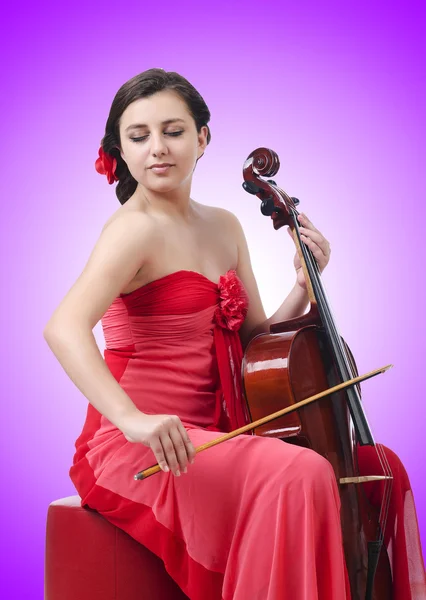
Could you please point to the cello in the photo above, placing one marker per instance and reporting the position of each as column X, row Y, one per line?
column 298, row 358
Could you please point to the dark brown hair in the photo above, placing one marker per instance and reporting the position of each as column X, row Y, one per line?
column 144, row 85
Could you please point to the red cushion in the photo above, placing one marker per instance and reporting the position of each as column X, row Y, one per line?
column 87, row 558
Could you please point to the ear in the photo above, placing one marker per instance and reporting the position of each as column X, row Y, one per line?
column 202, row 140
column 202, row 137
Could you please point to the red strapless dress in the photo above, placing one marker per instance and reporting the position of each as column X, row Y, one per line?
column 253, row 517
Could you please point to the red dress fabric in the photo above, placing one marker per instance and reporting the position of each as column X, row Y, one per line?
column 401, row 535
column 253, row 517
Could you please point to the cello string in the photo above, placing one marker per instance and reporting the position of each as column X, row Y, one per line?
column 386, row 470
column 316, row 280
column 343, row 362
column 322, row 296
column 384, row 464
column 384, row 513
column 325, row 304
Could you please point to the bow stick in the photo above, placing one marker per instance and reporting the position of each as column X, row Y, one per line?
column 156, row 468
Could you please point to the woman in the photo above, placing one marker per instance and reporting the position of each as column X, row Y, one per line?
column 172, row 283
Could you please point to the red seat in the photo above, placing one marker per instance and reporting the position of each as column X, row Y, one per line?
column 88, row 558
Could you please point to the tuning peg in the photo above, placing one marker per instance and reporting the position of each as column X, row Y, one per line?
column 296, row 201
column 271, row 181
column 251, row 187
column 267, row 207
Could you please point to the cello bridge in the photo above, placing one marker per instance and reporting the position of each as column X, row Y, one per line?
column 363, row 479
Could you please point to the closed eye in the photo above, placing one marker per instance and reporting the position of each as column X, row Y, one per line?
column 172, row 133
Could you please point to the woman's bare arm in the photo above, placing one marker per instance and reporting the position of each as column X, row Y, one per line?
column 76, row 349
column 117, row 256
column 256, row 321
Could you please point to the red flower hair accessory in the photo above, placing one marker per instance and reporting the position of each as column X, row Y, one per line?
column 106, row 165
column 233, row 302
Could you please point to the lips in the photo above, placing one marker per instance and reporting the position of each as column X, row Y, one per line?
column 161, row 166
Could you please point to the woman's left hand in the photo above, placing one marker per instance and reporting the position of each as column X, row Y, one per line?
column 316, row 242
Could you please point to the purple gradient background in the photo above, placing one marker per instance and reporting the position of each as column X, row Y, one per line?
column 336, row 89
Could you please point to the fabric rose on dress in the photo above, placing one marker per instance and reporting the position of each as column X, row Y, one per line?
column 233, row 302
column 106, row 165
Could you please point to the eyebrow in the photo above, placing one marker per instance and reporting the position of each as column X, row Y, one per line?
column 140, row 125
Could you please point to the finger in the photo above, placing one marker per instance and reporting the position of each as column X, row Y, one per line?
column 303, row 219
column 190, row 450
column 316, row 250
column 157, row 449
column 170, row 454
column 316, row 237
column 180, row 448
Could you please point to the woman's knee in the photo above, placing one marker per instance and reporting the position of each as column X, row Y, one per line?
column 315, row 465
column 310, row 470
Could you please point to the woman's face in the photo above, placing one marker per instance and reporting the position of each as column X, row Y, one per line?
column 156, row 130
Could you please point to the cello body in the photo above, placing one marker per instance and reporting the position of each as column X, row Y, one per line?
column 283, row 368
column 302, row 357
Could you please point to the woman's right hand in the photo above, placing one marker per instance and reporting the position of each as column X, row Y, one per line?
column 165, row 435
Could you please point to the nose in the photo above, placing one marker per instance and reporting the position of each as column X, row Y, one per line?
column 158, row 145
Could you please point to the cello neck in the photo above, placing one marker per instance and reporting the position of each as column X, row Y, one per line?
column 321, row 306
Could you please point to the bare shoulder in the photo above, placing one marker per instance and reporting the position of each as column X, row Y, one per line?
column 124, row 213
column 119, row 253
column 131, row 223
column 230, row 223
column 223, row 218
